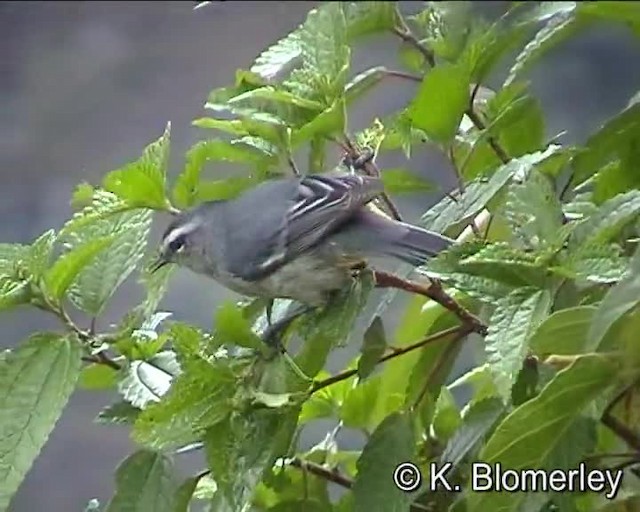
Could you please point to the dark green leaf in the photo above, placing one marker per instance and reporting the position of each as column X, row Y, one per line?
column 440, row 102
column 389, row 445
column 240, row 449
column 399, row 181
column 476, row 424
column 144, row 481
column 374, row 346
column 141, row 183
column 446, row 417
column 541, row 422
column 614, row 179
column 184, row 494
column 563, row 332
column 197, row 399
column 36, row 381
column 331, row 326
column 559, row 27
column 512, row 323
column 534, row 211
column 619, row 300
column 606, row 144
column 480, row 192
column 607, row 221
column 118, row 413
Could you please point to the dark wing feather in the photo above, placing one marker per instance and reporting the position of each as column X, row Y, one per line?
column 321, row 204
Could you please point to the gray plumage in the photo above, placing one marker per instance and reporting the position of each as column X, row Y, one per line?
column 295, row 238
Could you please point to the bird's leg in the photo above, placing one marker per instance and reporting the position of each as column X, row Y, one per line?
column 272, row 335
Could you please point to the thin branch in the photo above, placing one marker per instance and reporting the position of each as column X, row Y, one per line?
column 618, row 427
column 402, row 74
column 403, row 31
column 435, row 292
column 292, row 164
column 336, row 477
column 396, row 352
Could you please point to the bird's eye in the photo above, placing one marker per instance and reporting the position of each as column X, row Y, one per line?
column 177, row 244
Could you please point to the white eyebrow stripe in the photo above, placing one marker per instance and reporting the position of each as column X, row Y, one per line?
column 179, row 231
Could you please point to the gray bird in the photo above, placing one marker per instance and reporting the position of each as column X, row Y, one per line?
column 298, row 238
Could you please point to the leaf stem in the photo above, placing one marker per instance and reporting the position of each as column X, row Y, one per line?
column 396, row 352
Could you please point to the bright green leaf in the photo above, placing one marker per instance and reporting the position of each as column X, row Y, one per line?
column 141, row 183
column 98, row 376
column 232, row 327
column 440, row 102
column 65, row 270
column 399, row 181
column 36, row 381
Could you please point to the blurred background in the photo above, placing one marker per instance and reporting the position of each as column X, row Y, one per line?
column 86, row 85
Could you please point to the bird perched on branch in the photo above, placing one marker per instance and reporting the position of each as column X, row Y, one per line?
column 298, row 237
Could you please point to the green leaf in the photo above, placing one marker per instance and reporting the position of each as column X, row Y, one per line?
column 441, row 100
column 528, row 436
column 103, row 206
column 66, row 269
column 613, row 138
column 331, row 326
column 399, row 181
column 141, row 183
column 618, row 301
column 185, row 190
column 12, row 292
column 374, row 346
column 242, row 447
column 145, row 382
column 446, row 417
column 390, row 445
column 607, row 221
column 615, row 178
column 366, row 18
column 144, row 481
column 330, row 121
column 480, row 192
column 184, row 494
column 624, row 12
column 280, row 58
column 40, row 253
column 325, row 52
column 119, row 413
column 198, row 398
column 593, row 264
column 98, row 376
column 363, row 82
column 476, row 424
column 36, row 381
column 512, row 323
column 563, row 332
column 232, row 327
column 534, row 211
column 97, row 282
column 558, row 28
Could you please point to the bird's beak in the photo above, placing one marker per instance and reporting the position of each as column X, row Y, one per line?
column 157, row 264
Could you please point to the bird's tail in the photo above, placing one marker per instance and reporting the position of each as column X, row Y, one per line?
column 406, row 242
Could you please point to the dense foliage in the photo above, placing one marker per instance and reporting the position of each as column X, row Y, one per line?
column 546, row 282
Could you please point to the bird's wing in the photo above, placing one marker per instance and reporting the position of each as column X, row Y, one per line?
column 319, row 205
